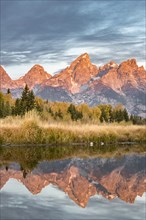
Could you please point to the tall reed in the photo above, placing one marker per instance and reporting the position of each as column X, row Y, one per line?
column 30, row 129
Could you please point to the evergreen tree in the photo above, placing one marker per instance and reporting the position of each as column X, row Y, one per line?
column 125, row 115
column 119, row 115
column 8, row 91
column 25, row 93
column 75, row 114
column 31, row 101
column 71, row 109
column 17, row 110
column 27, row 101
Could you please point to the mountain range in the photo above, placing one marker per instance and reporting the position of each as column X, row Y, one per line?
column 123, row 177
column 84, row 82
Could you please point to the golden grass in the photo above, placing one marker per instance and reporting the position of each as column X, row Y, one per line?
column 31, row 129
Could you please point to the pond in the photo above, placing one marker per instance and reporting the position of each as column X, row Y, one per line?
column 73, row 187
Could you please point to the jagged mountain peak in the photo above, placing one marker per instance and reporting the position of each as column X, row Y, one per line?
column 82, row 82
column 37, row 66
column 109, row 65
column 37, row 69
column 83, row 58
column 5, row 80
column 82, row 70
column 3, row 72
column 131, row 63
column 74, row 76
column 36, row 75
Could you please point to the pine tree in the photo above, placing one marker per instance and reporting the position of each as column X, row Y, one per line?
column 17, row 110
column 75, row 114
column 27, row 101
column 8, row 91
column 119, row 116
column 31, row 101
column 25, row 93
column 125, row 115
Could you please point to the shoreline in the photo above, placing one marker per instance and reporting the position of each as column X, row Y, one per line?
column 30, row 156
column 124, row 144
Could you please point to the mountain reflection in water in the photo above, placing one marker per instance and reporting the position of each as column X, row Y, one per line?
column 123, row 177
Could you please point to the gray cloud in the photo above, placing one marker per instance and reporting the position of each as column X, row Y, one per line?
column 49, row 30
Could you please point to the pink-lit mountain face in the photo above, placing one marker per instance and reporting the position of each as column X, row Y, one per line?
column 73, row 77
column 5, row 80
column 83, row 82
column 35, row 76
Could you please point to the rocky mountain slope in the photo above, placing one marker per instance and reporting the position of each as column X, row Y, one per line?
column 35, row 76
column 73, row 77
column 5, row 80
column 114, row 84
column 84, row 82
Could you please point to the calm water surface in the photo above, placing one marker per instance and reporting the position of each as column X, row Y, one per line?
column 90, row 188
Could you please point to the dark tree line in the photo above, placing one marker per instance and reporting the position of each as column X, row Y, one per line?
column 110, row 114
column 137, row 120
column 59, row 111
column 22, row 105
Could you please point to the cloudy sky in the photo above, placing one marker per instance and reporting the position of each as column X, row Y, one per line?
column 54, row 32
